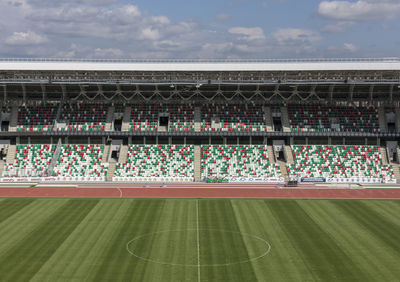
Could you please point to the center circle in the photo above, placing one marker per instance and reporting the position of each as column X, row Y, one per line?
column 198, row 247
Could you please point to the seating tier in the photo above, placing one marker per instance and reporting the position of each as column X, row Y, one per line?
column 80, row 161
column 30, row 160
column 36, row 118
column 226, row 117
column 237, row 161
column 153, row 161
column 84, row 117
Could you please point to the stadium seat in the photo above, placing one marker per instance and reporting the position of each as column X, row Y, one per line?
column 225, row 117
column 237, row 161
column 36, row 118
column 81, row 161
column 84, row 117
column 30, row 160
column 154, row 161
column 312, row 118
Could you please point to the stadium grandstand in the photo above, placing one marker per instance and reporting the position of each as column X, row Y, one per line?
column 270, row 121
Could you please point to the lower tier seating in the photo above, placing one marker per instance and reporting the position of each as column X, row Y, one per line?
column 81, row 161
column 237, row 161
column 30, row 160
column 157, row 161
column 315, row 161
column 339, row 162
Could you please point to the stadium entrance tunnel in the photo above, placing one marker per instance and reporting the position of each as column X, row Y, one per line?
column 203, row 247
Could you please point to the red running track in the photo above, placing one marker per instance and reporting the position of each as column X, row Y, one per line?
column 299, row 193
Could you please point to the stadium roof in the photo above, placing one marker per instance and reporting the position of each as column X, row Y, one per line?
column 382, row 64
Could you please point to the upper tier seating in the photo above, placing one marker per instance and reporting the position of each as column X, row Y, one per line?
column 339, row 162
column 227, row 117
column 333, row 118
column 365, row 162
column 144, row 117
column 84, row 117
column 81, row 161
column 237, row 161
column 36, row 118
column 30, row 160
column 315, row 161
column 153, row 161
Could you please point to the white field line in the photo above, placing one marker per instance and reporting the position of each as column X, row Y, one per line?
column 198, row 241
column 120, row 192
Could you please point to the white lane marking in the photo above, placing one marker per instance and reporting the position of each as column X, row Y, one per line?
column 120, row 192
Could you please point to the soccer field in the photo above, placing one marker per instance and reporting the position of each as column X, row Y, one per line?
column 199, row 240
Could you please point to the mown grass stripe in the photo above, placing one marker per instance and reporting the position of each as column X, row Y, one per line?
column 85, row 245
column 25, row 259
column 118, row 264
column 219, row 247
column 371, row 255
column 174, row 247
column 390, row 209
column 15, row 228
column 10, row 206
column 282, row 262
column 326, row 260
column 374, row 222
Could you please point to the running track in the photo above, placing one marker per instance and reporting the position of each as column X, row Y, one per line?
column 200, row 191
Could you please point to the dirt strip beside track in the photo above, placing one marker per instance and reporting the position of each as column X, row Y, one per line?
column 198, row 192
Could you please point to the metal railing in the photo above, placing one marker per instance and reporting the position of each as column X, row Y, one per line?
column 300, row 60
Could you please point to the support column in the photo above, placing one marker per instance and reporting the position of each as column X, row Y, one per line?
column 144, row 140
column 237, row 141
column 251, row 140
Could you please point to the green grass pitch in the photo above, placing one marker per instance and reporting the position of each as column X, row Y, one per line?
column 199, row 240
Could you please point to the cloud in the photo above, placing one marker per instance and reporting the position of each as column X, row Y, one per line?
column 249, row 34
column 292, row 36
column 343, row 50
column 362, row 10
column 337, row 27
column 25, row 38
column 222, row 17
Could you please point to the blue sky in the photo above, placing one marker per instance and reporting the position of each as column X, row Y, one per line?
column 199, row 29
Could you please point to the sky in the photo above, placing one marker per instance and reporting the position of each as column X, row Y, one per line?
column 201, row 29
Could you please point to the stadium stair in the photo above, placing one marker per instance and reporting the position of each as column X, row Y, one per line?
column 288, row 154
column 126, row 119
column 197, row 119
column 268, row 118
column 106, row 153
column 2, row 164
column 285, row 119
column 396, row 171
column 54, row 158
column 283, row 168
column 382, row 119
column 197, row 163
column 271, row 154
column 110, row 119
column 384, row 155
column 13, row 119
column 111, row 170
column 123, row 153
column 12, row 149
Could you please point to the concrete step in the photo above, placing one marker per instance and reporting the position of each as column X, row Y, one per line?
column 268, row 118
column 285, row 119
column 110, row 171
column 126, row 119
column 396, row 170
column 382, row 119
column 2, row 164
column 110, row 118
column 283, row 167
column 289, row 154
column 197, row 163
column 384, row 155
column 106, row 152
column 271, row 154
column 12, row 149
column 197, row 119
column 123, row 154
column 13, row 119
